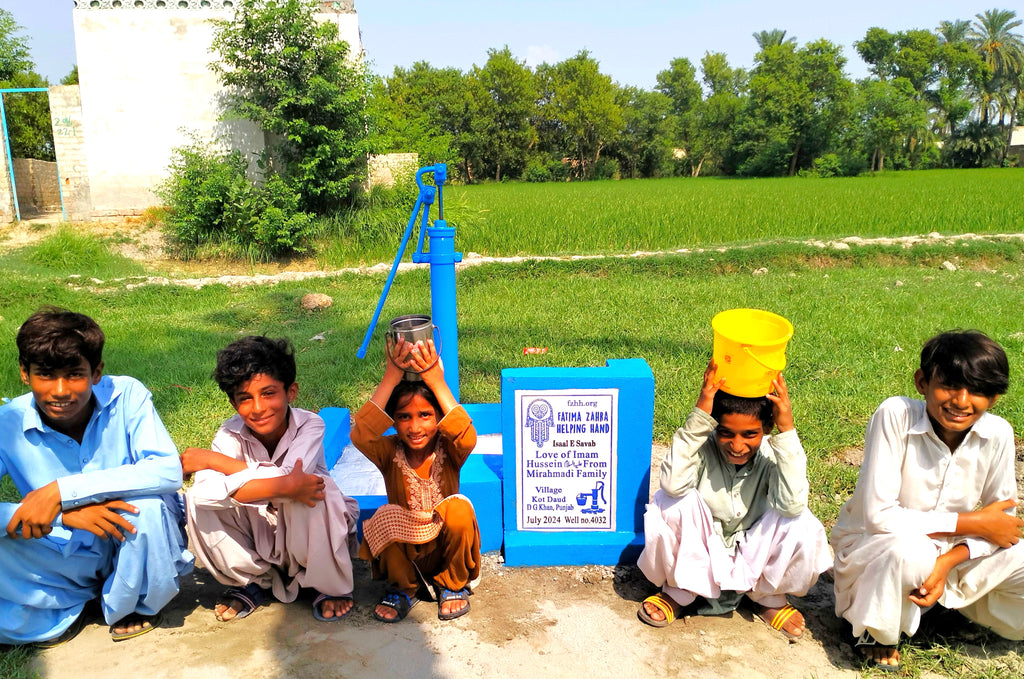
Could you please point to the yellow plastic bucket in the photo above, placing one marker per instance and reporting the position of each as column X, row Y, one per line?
column 750, row 349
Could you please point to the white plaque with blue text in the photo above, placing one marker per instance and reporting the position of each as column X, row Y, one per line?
column 565, row 459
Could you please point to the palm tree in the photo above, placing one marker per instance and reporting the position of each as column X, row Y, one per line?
column 1003, row 51
column 953, row 31
column 771, row 38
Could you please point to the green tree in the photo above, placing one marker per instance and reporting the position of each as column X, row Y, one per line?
column 421, row 109
column 800, row 101
column 505, row 101
column 14, row 52
column 892, row 114
column 644, row 147
column 28, row 113
column 772, row 38
column 291, row 75
column 1002, row 50
column 579, row 115
column 679, row 83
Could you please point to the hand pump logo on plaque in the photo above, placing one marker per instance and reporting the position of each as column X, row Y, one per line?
column 565, row 444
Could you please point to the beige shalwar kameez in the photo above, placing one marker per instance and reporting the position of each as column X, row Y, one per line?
column 280, row 545
column 910, row 486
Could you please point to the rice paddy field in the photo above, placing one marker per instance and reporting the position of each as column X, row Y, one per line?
column 668, row 214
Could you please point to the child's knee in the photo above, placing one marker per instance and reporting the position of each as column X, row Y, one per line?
column 459, row 515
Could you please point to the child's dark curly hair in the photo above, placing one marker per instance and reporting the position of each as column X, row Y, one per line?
column 241, row 360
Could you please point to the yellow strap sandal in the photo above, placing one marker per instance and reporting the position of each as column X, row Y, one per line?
column 663, row 603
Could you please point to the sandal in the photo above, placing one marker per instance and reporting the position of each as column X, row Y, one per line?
column 663, row 603
column 153, row 621
column 449, row 595
column 866, row 642
column 398, row 600
column 780, row 618
column 67, row 635
column 252, row 596
column 321, row 598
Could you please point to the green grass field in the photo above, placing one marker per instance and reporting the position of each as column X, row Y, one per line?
column 860, row 315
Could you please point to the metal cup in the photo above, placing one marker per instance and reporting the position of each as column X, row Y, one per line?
column 412, row 328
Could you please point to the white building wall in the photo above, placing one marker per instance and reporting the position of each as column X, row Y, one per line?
column 146, row 86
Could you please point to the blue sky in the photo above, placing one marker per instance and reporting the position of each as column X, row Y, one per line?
column 632, row 39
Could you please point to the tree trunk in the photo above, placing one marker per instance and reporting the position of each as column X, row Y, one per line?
column 794, row 159
column 881, row 161
column 1009, row 137
column 696, row 170
column 874, row 159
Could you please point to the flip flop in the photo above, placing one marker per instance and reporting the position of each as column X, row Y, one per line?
column 663, row 603
column 449, row 595
column 398, row 600
column 866, row 641
column 153, row 620
column 67, row 635
column 321, row 598
column 252, row 596
column 779, row 620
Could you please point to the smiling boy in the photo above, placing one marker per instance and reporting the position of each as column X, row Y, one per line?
column 100, row 516
column 264, row 514
column 731, row 517
column 912, row 535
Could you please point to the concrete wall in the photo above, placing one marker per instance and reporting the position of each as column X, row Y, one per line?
column 383, row 169
column 146, row 85
column 37, row 184
column 69, row 145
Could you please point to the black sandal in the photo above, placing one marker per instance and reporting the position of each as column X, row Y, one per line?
column 398, row 600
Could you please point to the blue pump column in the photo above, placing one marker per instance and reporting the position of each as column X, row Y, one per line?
column 442, row 259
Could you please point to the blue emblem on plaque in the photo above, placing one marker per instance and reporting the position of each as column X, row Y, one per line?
column 594, row 508
column 540, row 418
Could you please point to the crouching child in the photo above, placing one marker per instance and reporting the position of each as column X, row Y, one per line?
column 264, row 515
column 100, row 515
column 731, row 517
column 932, row 520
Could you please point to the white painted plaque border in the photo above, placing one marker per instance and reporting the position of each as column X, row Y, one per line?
column 577, row 466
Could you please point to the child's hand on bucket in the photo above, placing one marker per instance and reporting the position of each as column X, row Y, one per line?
column 782, row 409
column 709, row 388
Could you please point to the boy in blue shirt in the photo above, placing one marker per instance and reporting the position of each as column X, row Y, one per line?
column 100, row 516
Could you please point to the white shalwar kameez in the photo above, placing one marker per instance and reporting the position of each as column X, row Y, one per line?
column 716, row 527
column 910, row 486
column 278, row 545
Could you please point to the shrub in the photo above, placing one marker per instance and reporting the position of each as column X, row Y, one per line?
column 211, row 201
column 537, row 171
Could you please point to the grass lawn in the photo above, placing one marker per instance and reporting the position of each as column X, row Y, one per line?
column 860, row 315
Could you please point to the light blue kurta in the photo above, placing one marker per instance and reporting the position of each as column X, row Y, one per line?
column 125, row 454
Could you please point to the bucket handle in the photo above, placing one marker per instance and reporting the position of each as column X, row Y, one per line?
column 766, row 365
column 439, row 345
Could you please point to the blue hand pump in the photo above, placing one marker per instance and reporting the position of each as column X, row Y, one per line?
column 442, row 259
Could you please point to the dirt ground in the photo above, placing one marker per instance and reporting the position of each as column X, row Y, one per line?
column 524, row 622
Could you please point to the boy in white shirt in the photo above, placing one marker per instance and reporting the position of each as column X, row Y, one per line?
column 912, row 536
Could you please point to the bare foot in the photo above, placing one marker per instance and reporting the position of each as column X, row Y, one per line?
column 133, row 625
column 449, row 607
column 335, row 607
column 656, row 615
column 882, row 656
column 791, row 621
column 227, row 609
column 386, row 612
